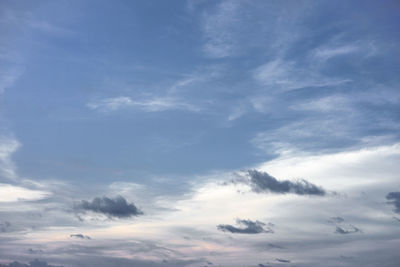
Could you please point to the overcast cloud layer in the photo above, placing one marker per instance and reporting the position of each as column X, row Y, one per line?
column 199, row 133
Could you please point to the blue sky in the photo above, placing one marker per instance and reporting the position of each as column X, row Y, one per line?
column 164, row 106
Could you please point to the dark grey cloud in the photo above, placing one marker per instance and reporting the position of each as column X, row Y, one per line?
column 35, row 263
column 80, row 236
column 250, row 227
column 263, row 182
column 394, row 198
column 262, row 265
column 117, row 207
column 282, row 260
column 350, row 229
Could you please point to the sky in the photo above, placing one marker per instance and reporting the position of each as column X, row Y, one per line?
column 199, row 133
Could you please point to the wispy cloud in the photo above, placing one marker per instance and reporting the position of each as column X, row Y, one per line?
column 156, row 104
column 282, row 75
column 8, row 146
column 219, row 30
column 325, row 53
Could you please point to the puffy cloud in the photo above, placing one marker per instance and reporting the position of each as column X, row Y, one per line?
column 250, row 227
column 263, row 182
column 117, row 207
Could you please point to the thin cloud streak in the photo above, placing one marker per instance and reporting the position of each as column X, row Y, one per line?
column 157, row 104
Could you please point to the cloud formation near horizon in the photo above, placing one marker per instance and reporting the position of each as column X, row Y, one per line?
column 250, row 227
column 35, row 263
column 117, row 207
column 261, row 182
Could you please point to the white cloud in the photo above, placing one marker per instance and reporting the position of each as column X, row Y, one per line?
column 11, row 193
column 150, row 105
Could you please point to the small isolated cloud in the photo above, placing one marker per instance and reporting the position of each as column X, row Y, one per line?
column 350, row 229
column 80, row 236
column 261, row 182
column 282, row 260
column 155, row 104
column 117, row 207
column 35, row 263
column 342, row 227
column 250, row 227
column 394, row 198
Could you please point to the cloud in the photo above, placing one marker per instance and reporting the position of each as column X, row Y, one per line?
column 285, row 75
column 349, row 230
column 343, row 228
column 394, row 198
column 250, row 227
column 282, row 260
column 35, row 263
column 11, row 193
column 8, row 146
column 80, row 236
column 155, row 104
column 117, row 207
column 263, row 182
column 329, row 52
column 219, row 30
